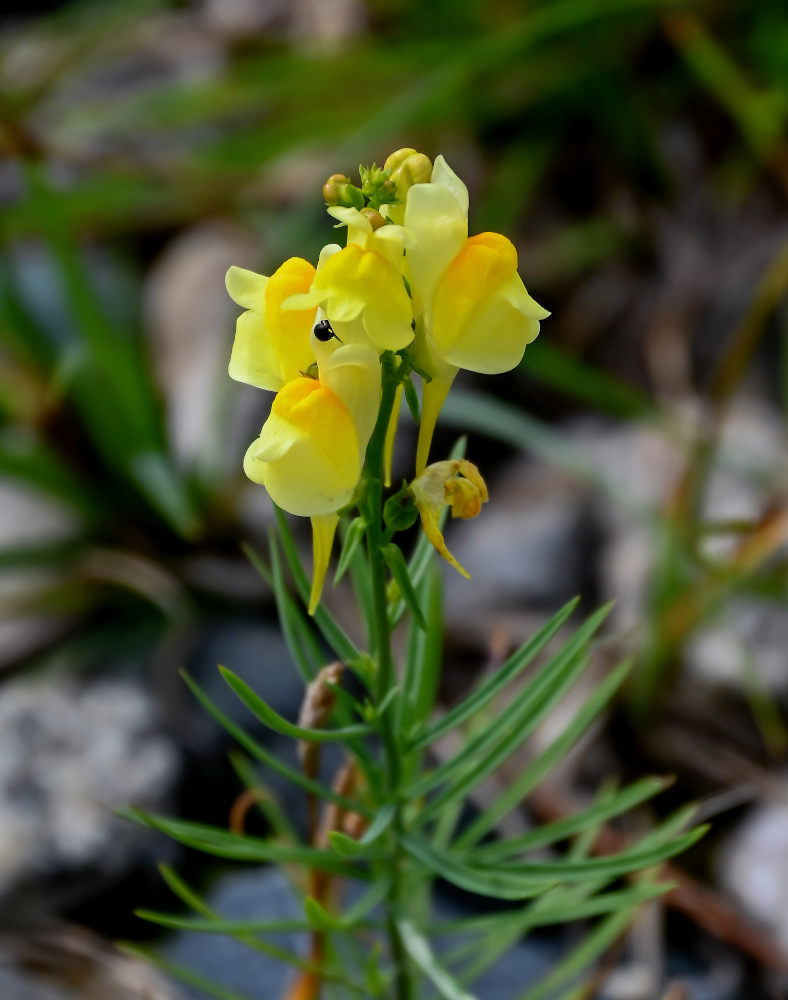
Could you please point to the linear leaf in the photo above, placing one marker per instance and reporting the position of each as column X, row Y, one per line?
column 550, row 833
column 350, row 543
column 490, row 687
column 271, row 760
column 495, row 744
column 486, row 883
column 554, row 912
column 399, row 570
column 334, row 635
column 610, row 867
column 418, row 947
column 262, row 711
column 544, row 763
column 222, row 926
column 242, row 847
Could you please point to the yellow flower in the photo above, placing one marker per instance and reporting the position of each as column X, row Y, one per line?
column 310, row 451
column 272, row 345
column 455, row 483
column 360, row 289
column 475, row 312
column 406, row 167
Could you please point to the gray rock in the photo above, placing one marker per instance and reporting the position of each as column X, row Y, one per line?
column 69, row 963
column 753, row 867
column 69, row 755
column 528, row 547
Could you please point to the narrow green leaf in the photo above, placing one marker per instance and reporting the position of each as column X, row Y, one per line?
column 348, row 847
column 350, row 543
column 412, row 399
column 589, row 949
column 323, row 920
column 275, row 721
column 424, row 655
column 418, row 947
column 266, row 801
column 562, row 912
column 491, row 883
column 516, row 663
column 609, row 866
column 381, row 823
column 183, row 973
column 546, row 761
column 288, row 615
column 514, row 724
column 269, row 759
column 242, row 847
column 222, row 926
column 334, row 635
column 551, row 833
column 399, row 570
column 184, row 892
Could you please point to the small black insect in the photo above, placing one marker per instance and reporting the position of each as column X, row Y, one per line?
column 323, row 331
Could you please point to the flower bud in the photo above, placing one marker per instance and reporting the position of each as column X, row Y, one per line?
column 376, row 220
column 408, row 167
column 339, row 191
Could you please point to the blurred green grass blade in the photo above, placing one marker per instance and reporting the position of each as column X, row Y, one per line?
column 270, row 759
column 114, row 361
column 422, row 955
column 183, row 891
column 599, row 812
column 31, row 461
column 334, row 635
column 273, row 720
column 476, row 411
column 555, row 368
column 547, row 760
column 488, row 689
column 761, row 116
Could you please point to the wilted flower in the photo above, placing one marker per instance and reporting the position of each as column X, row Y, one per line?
column 455, row 483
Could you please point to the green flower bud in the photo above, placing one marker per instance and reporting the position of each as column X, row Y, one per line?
column 408, row 167
column 339, row 191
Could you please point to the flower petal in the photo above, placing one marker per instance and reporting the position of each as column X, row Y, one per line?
column 245, row 287
column 323, row 530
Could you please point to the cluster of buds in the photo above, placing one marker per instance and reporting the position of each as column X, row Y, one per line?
column 409, row 283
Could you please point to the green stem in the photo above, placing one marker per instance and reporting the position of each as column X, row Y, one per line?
column 381, row 647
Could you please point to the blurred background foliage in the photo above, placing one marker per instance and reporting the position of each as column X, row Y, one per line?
column 636, row 152
column 636, row 149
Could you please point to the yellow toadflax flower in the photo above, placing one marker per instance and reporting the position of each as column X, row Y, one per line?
column 310, row 451
column 271, row 345
column 360, row 288
column 474, row 310
column 455, row 483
